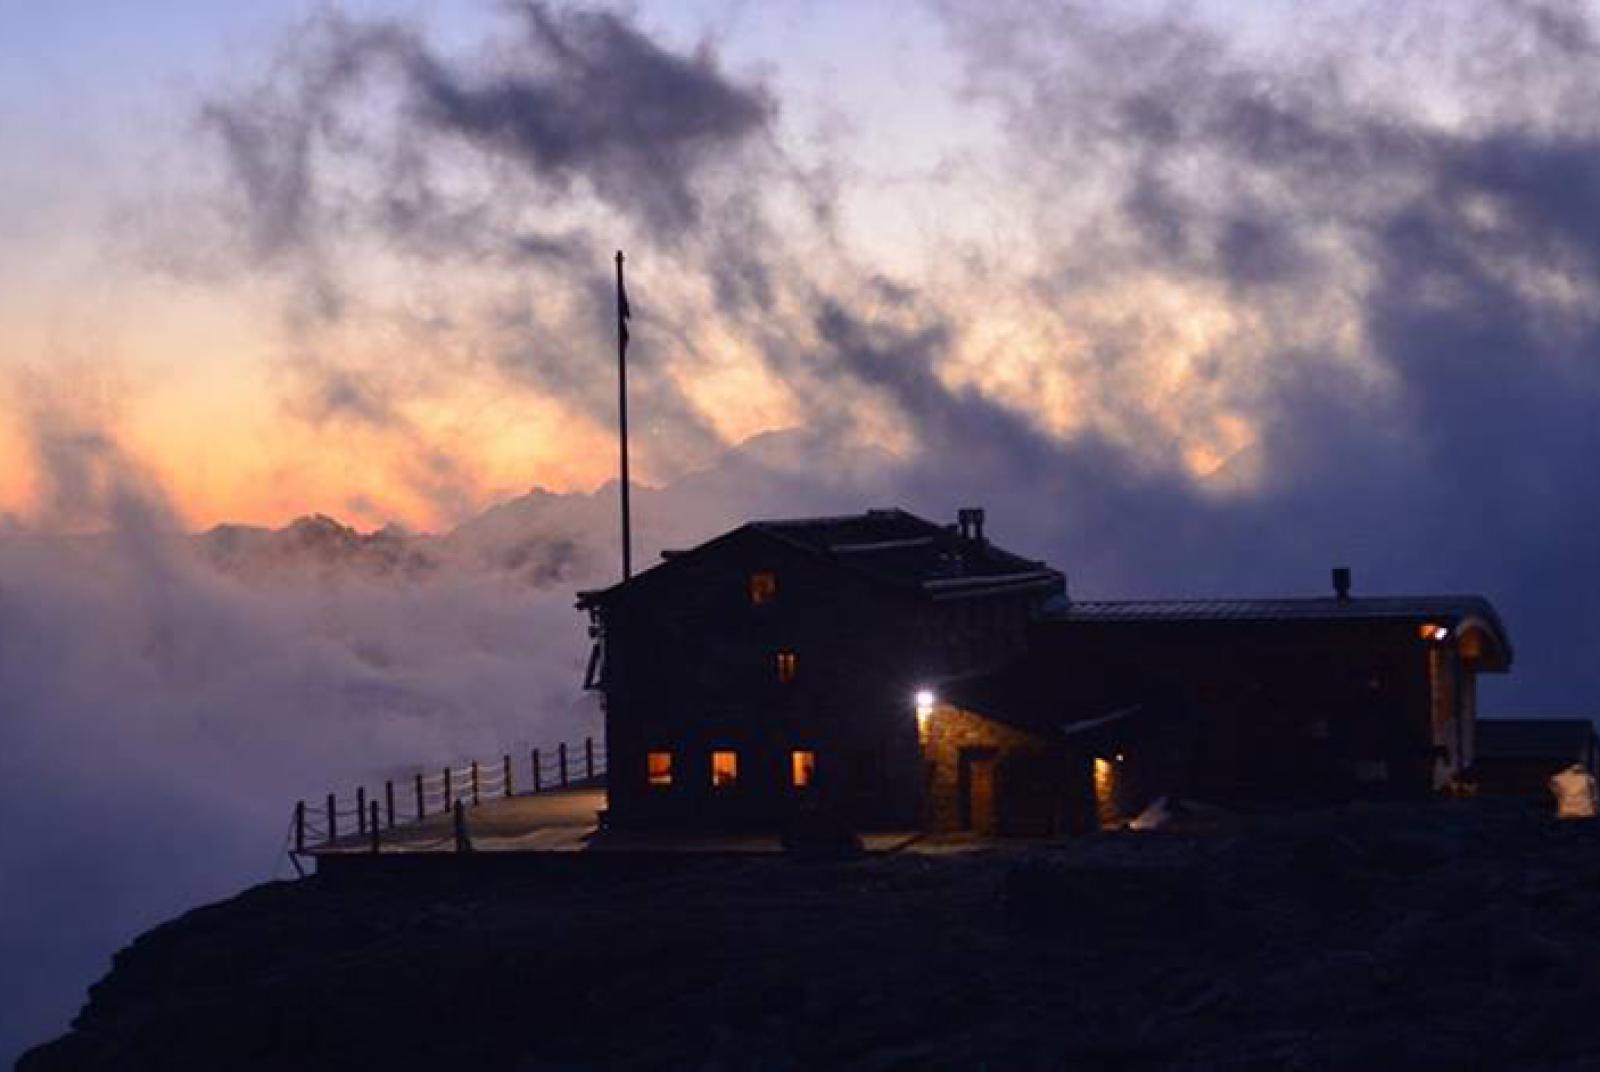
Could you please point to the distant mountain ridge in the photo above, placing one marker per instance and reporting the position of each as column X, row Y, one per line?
column 547, row 539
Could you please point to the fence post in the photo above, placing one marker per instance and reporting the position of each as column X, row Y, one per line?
column 449, row 797
column 361, row 809
column 300, row 826
column 538, row 776
column 505, row 763
column 561, row 753
column 373, row 827
column 421, row 814
column 388, row 802
column 588, row 758
column 333, row 818
column 475, row 799
column 463, row 842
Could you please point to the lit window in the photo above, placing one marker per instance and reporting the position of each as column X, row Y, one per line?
column 660, row 768
column 724, row 769
column 802, row 768
column 763, row 588
column 788, row 666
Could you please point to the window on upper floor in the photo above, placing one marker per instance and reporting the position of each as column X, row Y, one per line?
column 788, row 666
column 724, row 769
column 763, row 588
column 802, row 768
column 659, row 768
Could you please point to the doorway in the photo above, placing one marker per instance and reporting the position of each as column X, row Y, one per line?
column 976, row 777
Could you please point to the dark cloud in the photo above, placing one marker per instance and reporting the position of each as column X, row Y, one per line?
column 1422, row 364
column 572, row 97
column 497, row 183
column 601, row 101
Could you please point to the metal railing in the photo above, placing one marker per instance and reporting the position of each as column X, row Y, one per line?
column 443, row 791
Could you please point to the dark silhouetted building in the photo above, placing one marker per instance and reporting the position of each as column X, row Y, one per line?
column 778, row 666
column 903, row 674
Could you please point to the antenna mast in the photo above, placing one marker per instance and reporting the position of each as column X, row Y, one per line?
column 622, row 417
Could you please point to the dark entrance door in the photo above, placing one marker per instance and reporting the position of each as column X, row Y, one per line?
column 976, row 775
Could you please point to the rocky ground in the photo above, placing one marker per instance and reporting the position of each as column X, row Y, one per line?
column 1447, row 936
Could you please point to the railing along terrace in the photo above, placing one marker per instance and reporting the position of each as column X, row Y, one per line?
column 443, row 791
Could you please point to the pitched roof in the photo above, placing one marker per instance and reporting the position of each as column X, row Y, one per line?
column 1533, row 738
column 903, row 549
column 897, row 548
column 1274, row 610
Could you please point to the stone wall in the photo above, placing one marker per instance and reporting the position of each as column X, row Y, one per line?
column 1037, row 786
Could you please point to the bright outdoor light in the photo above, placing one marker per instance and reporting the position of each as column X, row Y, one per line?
column 924, row 699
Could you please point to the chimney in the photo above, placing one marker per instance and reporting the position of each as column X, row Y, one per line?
column 1341, row 583
column 970, row 521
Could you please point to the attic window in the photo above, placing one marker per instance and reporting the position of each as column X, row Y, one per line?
column 763, row 588
column 788, row 667
column 802, row 768
column 659, row 768
column 724, row 770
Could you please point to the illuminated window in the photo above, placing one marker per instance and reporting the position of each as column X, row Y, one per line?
column 660, row 768
column 763, row 588
column 724, row 770
column 802, row 768
column 788, row 666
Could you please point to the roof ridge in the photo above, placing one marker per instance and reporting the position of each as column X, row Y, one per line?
column 834, row 519
column 1207, row 600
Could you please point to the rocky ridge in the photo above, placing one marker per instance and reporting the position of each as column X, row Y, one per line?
column 1441, row 936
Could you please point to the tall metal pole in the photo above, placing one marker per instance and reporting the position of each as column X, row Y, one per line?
column 622, row 417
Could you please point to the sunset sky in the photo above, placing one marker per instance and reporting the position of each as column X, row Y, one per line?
column 1261, row 283
column 385, row 375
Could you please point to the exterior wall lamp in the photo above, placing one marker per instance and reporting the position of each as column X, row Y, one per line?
column 925, row 700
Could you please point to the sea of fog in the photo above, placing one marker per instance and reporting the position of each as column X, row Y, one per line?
column 161, row 714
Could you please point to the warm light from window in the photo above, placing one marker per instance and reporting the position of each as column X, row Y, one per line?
column 1433, row 631
column 763, row 588
column 802, row 768
column 788, row 666
column 1105, row 791
column 660, row 768
column 724, row 770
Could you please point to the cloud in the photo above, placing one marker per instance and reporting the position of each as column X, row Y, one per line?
column 474, row 200
column 162, row 715
column 1401, row 262
column 569, row 97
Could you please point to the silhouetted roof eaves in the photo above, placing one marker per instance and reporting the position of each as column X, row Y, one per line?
column 890, row 547
column 1533, row 738
column 1443, row 608
column 902, row 549
column 1034, row 692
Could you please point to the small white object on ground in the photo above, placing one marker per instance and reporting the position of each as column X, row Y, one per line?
column 1154, row 817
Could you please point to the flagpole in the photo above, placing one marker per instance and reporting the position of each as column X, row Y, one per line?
column 622, row 417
